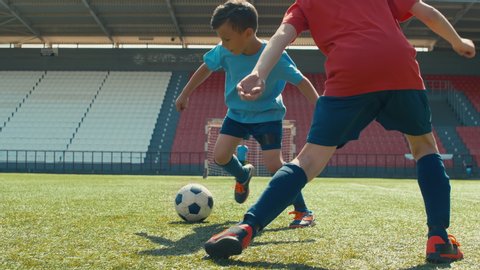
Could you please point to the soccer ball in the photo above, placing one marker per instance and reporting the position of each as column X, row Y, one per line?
column 193, row 203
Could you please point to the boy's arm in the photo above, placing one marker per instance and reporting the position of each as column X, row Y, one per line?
column 307, row 89
column 253, row 85
column 440, row 25
column 200, row 75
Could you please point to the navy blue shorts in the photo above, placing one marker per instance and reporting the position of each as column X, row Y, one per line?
column 267, row 134
column 337, row 120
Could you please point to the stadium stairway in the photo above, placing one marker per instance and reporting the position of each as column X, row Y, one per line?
column 88, row 109
column 451, row 140
column 164, row 132
column 20, row 104
column 452, row 143
column 442, row 112
column 464, row 109
column 465, row 100
column 469, row 136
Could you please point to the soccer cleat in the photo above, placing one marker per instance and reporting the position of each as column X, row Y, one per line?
column 440, row 252
column 302, row 219
column 241, row 189
column 230, row 242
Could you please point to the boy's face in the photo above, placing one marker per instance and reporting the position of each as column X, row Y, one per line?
column 234, row 41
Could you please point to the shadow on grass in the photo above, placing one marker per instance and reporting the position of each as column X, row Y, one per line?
column 280, row 229
column 186, row 245
column 194, row 242
column 429, row 266
column 255, row 244
column 262, row 264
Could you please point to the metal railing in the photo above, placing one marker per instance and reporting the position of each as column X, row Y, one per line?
column 186, row 163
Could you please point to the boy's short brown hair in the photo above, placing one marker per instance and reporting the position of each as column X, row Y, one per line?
column 239, row 13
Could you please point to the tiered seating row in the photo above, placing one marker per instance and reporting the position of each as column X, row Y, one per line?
column 123, row 115
column 470, row 85
column 80, row 111
column 470, row 136
column 207, row 101
column 14, row 87
column 48, row 118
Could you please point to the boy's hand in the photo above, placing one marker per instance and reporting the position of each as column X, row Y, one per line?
column 251, row 87
column 181, row 103
column 465, row 48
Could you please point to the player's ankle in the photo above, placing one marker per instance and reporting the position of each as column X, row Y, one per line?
column 251, row 221
column 439, row 231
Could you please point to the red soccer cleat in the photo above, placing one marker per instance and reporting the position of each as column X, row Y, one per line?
column 229, row 242
column 241, row 189
column 440, row 252
column 302, row 219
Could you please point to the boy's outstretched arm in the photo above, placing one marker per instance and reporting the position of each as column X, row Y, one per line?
column 251, row 87
column 435, row 20
column 200, row 75
column 307, row 89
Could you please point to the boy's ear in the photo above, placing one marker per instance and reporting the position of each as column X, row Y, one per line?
column 249, row 32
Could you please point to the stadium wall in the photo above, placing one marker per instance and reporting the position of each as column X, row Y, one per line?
column 439, row 62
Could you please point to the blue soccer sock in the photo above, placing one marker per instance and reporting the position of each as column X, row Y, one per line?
column 299, row 203
column 435, row 187
column 235, row 168
column 282, row 190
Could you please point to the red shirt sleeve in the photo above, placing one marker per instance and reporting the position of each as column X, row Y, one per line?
column 296, row 18
column 401, row 9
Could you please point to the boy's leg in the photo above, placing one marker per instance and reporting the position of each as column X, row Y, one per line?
column 287, row 183
column 415, row 120
column 279, row 194
column 303, row 217
column 224, row 157
column 435, row 187
column 273, row 160
column 335, row 122
column 433, row 181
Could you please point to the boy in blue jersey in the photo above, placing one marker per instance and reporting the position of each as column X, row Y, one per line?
column 372, row 75
column 236, row 23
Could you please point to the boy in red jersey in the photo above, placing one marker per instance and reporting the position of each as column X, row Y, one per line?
column 372, row 74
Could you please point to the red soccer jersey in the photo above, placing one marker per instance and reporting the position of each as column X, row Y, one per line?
column 365, row 48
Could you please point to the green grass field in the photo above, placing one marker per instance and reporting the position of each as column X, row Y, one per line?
column 129, row 222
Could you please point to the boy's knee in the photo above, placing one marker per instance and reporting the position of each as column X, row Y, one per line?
column 221, row 158
column 422, row 145
column 422, row 150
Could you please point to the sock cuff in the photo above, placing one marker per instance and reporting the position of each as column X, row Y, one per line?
column 226, row 164
column 297, row 170
column 250, row 219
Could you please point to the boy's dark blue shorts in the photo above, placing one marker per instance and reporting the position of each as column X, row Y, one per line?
column 267, row 134
column 337, row 120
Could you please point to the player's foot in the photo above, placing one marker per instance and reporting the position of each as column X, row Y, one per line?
column 440, row 252
column 302, row 219
column 229, row 242
column 241, row 189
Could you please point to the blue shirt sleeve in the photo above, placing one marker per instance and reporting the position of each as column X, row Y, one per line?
column 213, row 58
column 287, row 70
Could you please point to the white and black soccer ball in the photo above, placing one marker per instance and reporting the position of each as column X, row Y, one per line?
column 194, row 203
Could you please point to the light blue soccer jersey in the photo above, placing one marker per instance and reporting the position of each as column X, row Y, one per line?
column 269, row 106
